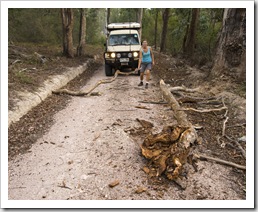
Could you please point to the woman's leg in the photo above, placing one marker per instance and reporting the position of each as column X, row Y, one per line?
column 141, row 76
column 147, row 76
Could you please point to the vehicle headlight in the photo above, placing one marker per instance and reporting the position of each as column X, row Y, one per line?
column 118, row 55
column 130, row 54
column 113, row 55
column 135, row 54
column 106, row 55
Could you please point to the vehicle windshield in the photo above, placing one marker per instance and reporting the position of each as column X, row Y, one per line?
column 123, row 39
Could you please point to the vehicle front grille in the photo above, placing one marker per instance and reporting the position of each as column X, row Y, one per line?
column 124, row 54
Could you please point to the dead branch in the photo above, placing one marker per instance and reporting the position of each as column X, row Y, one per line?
column 16, row 61
column 122, row 109
column 62, row 186
column 151, row 102
column 183, row 88
column 198, row 127
column 199, row 156
column 226, row 119
column 237, row 125
column 205, row 110
column 198, row 100
column 84, row 92
column 142, row 107
column 238, row 145
column 224, row 123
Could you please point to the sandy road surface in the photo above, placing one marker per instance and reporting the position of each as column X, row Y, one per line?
column 87, row 148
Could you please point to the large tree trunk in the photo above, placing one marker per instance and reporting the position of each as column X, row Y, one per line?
column 108, row 16
column 82, row 36
column 186, row 31
column 156, row 28
column 64, row 24
column 140, row 14
column 212, row 24
column 190, row 41
column 231, row 50
column 67, row 22
column 165, row 17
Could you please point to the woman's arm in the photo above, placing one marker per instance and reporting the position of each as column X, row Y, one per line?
column 152, row 56
column 140, row 59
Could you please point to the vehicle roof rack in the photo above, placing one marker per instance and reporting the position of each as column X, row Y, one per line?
column 125, row 25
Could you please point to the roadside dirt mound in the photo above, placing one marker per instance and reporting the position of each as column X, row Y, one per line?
column 29, row 65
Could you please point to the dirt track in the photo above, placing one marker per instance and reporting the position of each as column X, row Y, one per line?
column 94, row 141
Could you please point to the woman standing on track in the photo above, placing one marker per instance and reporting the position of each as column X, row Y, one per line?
column 146, row 61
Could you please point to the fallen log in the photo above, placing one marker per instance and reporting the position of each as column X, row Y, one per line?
column 88, row 92
column 168, row 150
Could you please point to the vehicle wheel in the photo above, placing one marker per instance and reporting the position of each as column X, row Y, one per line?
column 108, row 70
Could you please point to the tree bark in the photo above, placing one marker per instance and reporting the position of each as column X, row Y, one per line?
column 67, row 22
column 140, row 14
column 108, row 16
column 64, row 24
column 82, row 34
column 165, row 17
column 186, row 32
column 190, row 41
column 231, row 50
column 69, row 31
column 156, row 28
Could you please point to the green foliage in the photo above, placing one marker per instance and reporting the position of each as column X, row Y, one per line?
column 148, row 23
column 34, row 25
column 23, row 78
column 95, row 26
column 208, row 29
column 209, row 26
column 45, row 26
column 118, row 15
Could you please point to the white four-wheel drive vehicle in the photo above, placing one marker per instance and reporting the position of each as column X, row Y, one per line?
column 122, row 47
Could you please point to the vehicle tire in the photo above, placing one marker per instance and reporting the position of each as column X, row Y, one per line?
column 108, row 70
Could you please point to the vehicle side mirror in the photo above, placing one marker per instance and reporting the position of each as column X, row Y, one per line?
column 104, row 44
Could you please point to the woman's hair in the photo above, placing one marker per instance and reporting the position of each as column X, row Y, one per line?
column 143, row 41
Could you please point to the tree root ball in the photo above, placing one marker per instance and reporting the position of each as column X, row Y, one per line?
column 168, row 150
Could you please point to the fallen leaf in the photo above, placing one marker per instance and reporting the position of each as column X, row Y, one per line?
column 70, row 162
column 96, row 136
column 114, row 183
column 146, row 170
column 140, row 190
